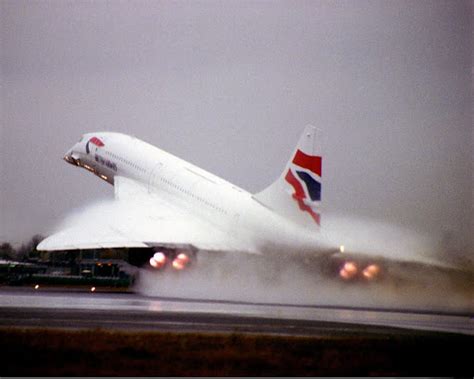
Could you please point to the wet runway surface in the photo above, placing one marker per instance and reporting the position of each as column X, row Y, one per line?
column 82, row 309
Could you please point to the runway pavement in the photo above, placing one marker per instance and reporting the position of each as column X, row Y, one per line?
column 84, row 309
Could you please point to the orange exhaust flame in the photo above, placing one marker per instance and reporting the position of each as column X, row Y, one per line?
column 183, row 258
column 177, row 264
column 159, row 257
column 180, row 261
column 371, row 271
column 348, row 271
column 158, row 260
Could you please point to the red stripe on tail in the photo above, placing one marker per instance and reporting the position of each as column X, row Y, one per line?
column 299, row 196
column 307, row 161
column 299, row 191
column 316, row 216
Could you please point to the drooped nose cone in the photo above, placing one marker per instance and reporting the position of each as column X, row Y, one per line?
column 71, row 156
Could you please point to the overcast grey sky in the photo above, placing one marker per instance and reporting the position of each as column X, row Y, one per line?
column 229, row 86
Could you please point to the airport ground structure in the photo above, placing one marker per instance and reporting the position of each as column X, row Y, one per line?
column 97, row 267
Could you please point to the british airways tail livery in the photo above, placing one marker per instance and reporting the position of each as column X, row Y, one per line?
column 171, row 210
column 297, row 193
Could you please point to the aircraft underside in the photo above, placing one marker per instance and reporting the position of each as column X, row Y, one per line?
column 165, row 259
column 345, row 269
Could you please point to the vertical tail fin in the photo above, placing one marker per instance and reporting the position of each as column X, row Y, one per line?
column 296, row 194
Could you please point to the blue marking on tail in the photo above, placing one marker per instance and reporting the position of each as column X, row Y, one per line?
column 314, row 187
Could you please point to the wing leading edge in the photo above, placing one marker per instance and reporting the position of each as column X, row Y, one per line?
column 136, row 219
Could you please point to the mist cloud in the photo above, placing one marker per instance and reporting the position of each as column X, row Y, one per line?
column 387, row 82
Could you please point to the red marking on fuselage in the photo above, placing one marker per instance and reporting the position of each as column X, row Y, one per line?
column 96, row 141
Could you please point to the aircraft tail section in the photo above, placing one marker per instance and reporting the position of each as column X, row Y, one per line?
column 296, row 194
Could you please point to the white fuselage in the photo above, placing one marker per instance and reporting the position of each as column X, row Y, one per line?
column 213, row 200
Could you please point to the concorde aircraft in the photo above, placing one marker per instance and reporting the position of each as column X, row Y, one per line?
column 175, row 209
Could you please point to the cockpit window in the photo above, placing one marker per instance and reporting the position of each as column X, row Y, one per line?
column 82, row 137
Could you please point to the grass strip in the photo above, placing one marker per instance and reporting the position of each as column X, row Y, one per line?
column 59, row 352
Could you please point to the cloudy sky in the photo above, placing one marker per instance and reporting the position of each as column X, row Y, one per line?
column 229, row 86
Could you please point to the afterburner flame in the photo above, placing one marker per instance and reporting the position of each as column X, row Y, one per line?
column 371, row 271
column 183, row 258
column 344, row 274
column 180, row 261
column 159, row 257
column 154, row 263
column 178, row 264
column 350, row 267
column 348, row 271
column 158, row 260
